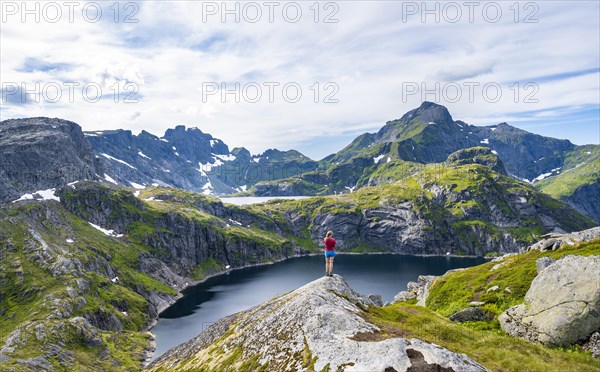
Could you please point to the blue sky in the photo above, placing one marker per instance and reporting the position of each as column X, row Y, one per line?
column 535, row 65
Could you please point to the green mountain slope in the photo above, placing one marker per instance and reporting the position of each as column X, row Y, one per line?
column 74, row 297
column 578, row 182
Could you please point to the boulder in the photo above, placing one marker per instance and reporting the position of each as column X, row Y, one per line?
column 558, row 240
column 470, row 314
column 492, row 289
column 562, row 306
column 418, row 290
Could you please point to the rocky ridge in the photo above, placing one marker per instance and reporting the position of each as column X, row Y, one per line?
column 311, row 328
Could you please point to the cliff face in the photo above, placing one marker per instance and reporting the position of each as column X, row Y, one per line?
column 464, row 209
column 318, row 326
column 42, row 153
column 584, row 200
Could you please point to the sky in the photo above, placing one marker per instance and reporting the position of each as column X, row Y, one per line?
column 305, row 75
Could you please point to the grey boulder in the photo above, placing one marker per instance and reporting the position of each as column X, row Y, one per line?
column 470, row 314
column 562, row 306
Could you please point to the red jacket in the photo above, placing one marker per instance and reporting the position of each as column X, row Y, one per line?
column 329, row 244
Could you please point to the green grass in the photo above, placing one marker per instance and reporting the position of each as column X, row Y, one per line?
column 208, row 266
column 454, row 292
column 491, row 348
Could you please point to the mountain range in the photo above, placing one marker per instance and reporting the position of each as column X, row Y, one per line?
column 44, row 153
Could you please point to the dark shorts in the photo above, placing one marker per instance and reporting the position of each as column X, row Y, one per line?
column 329, row 254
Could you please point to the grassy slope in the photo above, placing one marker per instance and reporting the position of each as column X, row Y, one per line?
column 484, row 341
column 580, row 169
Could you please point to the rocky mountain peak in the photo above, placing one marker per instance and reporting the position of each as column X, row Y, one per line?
column 429, row 112
column 42, row 153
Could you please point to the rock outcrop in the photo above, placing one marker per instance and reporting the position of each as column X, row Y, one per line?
column 418, row 290
column 562, row 306
column 477, row 155
column 42, row 153
column 470, row 314
column 309, row 328
column 555, row 241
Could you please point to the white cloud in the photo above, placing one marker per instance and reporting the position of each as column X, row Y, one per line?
column 369, row 54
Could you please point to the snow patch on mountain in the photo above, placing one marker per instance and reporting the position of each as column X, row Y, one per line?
column 118, row 160
column 106, row 232
column 39, row 195
column 140, row 153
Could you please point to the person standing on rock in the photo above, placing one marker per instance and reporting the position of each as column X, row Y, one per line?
column 329, row 253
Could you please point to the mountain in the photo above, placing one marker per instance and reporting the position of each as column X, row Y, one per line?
column 38, row 154
column 429, row 134
column 191, row 160
column 84, row 276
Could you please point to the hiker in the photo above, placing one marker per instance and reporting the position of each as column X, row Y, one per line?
column 329, row 253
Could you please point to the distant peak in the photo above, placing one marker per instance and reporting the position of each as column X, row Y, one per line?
column 427, row 104
column 429, row 112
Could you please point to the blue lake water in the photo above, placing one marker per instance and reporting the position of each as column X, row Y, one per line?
column 238, row 290
column 245, row 200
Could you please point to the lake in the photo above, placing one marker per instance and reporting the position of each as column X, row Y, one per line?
column 219, row 296
column 245, row 200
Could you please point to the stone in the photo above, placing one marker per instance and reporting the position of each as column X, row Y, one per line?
column 418, row 290
column 470, row 314
column 38, row 363
column 492, row 289
column 558, row 240
column 376, row 299
column 562, row 306
column 593, row 345
column 476, row 303
column 543, row 263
